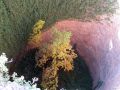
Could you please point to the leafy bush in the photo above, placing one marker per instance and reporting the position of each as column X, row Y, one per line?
column 18, row 83
column 53, row 56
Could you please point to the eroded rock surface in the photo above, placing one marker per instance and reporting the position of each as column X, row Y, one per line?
column 99, row 44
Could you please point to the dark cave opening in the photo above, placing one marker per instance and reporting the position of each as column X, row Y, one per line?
column 77, row 79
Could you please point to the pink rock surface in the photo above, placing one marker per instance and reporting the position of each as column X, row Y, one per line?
column 99, row 44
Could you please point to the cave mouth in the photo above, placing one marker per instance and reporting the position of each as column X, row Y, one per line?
column 77, row 79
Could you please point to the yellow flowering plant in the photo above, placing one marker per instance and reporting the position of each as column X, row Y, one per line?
column 35, row 36
column 53, row 56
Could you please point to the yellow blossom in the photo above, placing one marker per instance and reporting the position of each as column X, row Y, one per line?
column 35, row 37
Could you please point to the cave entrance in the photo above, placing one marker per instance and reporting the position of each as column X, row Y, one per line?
column 78, row 79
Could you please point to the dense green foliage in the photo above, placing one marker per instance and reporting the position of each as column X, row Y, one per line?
column 18, row 16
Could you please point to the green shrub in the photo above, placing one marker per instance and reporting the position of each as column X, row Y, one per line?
column 18, row 16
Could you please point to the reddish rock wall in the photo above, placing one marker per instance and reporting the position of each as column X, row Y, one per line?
column 98, row 43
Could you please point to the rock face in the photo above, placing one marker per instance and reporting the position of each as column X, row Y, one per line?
column 99, row 44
